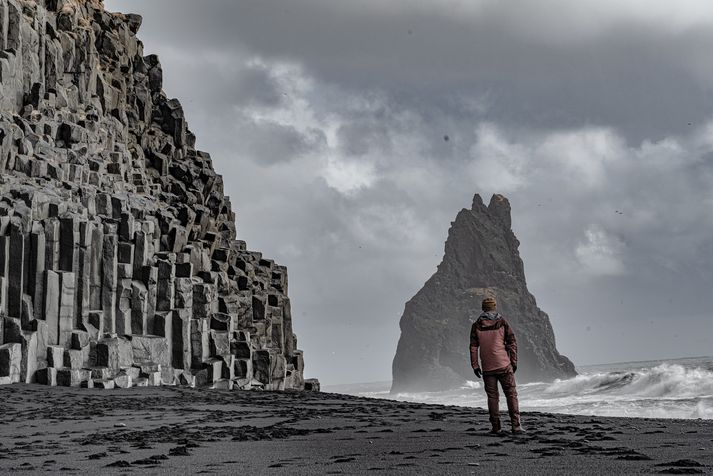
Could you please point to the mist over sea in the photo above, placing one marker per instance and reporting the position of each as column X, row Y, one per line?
column 679, row 388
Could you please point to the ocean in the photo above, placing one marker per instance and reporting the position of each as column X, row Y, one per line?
column 680, row 388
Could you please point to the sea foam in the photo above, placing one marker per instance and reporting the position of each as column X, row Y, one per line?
column 680, row 388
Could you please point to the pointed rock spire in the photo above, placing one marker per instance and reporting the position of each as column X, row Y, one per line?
column 481, row 259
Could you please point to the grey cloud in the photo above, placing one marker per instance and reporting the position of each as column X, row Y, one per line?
column 269, row 142
column 258, row 88
column 550, row 75
column 358, row 138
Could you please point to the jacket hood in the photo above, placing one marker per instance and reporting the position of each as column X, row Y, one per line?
column 490, row 316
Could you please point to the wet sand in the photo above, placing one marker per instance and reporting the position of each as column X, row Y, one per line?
column 184, row 431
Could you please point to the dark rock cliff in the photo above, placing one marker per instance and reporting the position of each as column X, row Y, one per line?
column 119, row 263
column 481, row 258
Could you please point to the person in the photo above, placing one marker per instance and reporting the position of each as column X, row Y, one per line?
column 492, row 337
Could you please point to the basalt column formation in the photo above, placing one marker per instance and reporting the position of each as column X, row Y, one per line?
column 119, row 263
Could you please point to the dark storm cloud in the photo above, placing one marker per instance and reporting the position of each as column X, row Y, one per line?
column 359, row 137
column 545, row 68
column 270, row 142
column 329, row 121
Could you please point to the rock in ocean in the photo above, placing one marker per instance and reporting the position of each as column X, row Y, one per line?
column 481, row 259
column 119, row 262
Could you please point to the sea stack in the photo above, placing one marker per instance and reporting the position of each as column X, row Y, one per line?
column 481, row 259
column 119, row 263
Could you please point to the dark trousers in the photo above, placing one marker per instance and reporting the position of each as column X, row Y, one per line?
column 507, row 381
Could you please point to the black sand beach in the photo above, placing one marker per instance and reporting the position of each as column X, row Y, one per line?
column 184, row 431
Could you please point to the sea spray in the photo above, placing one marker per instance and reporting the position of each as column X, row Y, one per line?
column 680, row 388
column 670, row 381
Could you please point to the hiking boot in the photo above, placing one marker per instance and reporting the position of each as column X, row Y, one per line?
column 518, row 430
column 495, row 430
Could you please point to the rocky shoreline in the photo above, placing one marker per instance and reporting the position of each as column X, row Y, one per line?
column 178, row 430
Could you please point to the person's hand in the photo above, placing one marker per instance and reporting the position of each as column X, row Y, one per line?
column 478, row 373
column 514, row 368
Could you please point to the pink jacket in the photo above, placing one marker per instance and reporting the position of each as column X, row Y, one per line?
column 496, row 342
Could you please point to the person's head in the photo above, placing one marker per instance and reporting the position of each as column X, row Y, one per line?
column 489, row 304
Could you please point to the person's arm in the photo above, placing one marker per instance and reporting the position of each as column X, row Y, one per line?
column 474, row 344
column 511, row 345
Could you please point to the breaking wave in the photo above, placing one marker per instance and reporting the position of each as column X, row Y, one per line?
column 661, row 391
column 663, row 381
column 674, row 389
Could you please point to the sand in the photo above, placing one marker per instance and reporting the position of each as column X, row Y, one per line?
column 185, row 431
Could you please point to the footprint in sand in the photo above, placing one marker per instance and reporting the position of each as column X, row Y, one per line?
column 681, row 466
column 681, row 471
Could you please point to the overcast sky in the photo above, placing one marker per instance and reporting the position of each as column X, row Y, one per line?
column 328, row 121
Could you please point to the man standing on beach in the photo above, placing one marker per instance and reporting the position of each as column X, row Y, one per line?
column 493, row 337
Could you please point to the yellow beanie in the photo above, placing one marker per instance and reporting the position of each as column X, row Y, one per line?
column 489, row 304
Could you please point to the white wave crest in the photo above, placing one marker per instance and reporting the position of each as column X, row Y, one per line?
column 668, row 381
column 704, row 410
column 680, row 389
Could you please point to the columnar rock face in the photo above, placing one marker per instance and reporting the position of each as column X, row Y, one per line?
column 119, row 263
column 481, row 259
